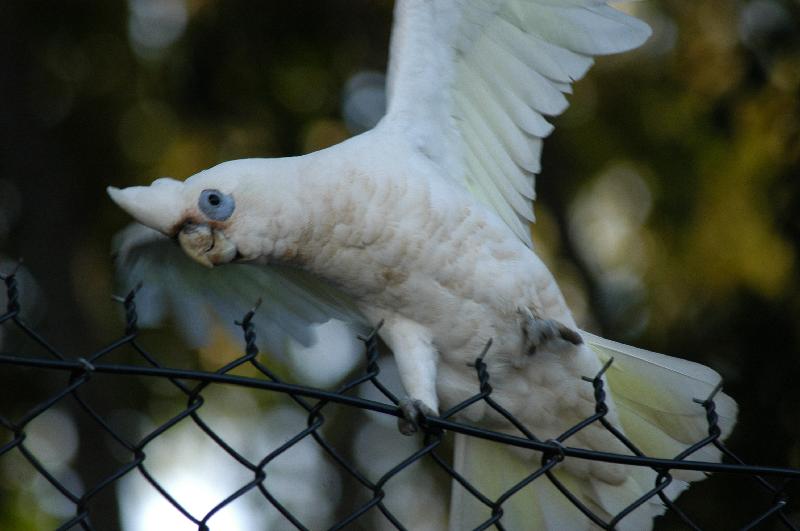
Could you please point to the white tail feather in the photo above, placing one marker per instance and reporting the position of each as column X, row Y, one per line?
column 654, row 398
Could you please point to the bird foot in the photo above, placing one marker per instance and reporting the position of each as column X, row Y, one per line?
column 412, row 410
column 539, row 332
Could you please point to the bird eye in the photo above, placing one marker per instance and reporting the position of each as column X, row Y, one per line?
column 216, row 205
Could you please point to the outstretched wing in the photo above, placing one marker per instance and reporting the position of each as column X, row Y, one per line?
column 174, row 285
column 471, row 81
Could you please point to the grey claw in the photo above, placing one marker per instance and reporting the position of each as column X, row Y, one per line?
column 568, row 334
column 412, row 410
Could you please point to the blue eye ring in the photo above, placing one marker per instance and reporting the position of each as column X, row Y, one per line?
column 216, row 205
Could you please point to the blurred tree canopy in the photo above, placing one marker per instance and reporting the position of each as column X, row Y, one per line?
column 669, row 201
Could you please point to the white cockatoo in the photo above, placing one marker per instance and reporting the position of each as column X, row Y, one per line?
column 422, row 223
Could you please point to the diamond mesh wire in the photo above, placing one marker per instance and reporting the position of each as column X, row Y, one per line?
column 315, row 402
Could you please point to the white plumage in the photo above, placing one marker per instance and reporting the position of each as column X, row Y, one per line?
column 422, row 223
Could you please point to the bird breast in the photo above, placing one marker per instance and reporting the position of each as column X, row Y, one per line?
column 410, row 242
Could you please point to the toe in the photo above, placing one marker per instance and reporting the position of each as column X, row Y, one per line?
column 406, row 426
column 412, row 411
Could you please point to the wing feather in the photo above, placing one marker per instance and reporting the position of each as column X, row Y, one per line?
column 478, row 144
column 522, row 182
column 172, row 284
column 553, row 62
column 471, row 81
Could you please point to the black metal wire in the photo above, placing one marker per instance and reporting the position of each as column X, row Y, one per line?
column 192, row 383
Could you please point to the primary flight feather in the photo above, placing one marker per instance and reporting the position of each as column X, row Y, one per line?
column 423, row 223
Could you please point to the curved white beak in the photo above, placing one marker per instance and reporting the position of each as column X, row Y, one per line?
column 159, row 206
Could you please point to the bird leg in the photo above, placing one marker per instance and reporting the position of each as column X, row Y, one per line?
column 412, row 410
column 540, row 332
column 417, row 360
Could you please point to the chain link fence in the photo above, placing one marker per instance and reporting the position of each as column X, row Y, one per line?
column 770, row 483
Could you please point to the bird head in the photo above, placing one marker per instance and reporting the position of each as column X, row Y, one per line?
column 201, row 212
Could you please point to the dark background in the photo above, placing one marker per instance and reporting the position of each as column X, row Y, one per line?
column 669, row 201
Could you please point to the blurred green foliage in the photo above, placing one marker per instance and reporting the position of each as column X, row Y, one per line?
column 669, row 200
